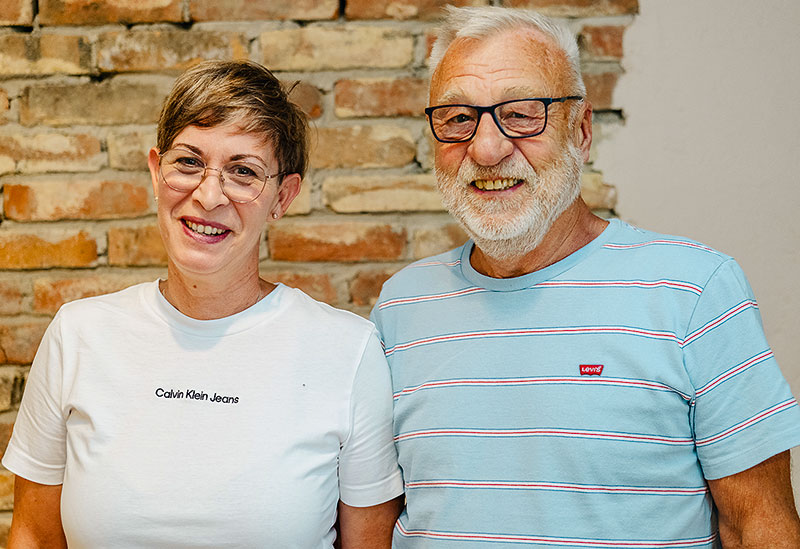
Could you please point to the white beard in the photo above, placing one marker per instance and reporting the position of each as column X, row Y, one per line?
column 511, row 226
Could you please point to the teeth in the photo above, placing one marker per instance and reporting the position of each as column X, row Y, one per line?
column 495, row 184
column 203, row 229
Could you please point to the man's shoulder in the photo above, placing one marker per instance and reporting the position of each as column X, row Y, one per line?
column 420, row 274
column 633, row 246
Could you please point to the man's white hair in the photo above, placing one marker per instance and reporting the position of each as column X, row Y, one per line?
column 480, row 22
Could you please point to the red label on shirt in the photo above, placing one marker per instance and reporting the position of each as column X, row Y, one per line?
column 591, row 369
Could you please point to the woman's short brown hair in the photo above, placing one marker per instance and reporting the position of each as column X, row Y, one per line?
column 215, row 93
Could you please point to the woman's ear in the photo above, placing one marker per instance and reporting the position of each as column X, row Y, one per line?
column 287, row 192
column 152, row 163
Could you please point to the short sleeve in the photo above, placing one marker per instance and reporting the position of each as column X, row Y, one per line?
column 744, row 411
column 368, row 470
column 37, row 449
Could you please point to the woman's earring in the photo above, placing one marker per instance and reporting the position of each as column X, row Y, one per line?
column 274, row 215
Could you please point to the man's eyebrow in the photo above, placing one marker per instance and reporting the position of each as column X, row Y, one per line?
column 514, row 92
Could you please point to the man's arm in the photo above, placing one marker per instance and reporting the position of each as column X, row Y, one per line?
column 368, row 527
column 37, row 516
column 756, row 507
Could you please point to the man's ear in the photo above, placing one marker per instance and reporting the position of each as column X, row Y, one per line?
column 583, row 130
column 287, row 192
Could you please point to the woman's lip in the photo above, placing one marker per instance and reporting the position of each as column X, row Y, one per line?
column 202, row 237
column 205, row 223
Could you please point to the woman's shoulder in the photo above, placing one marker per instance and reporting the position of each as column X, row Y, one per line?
column 126, row 299
column 320, row 314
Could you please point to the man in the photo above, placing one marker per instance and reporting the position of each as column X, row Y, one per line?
column 563, row 381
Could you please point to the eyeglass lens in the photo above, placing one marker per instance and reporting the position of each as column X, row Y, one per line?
column 515, row 118
column 241, row 181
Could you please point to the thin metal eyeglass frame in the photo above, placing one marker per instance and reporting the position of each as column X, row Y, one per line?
column 220, row 178
column 491, row 109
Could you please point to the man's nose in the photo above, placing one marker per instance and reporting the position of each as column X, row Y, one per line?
column 489, row 146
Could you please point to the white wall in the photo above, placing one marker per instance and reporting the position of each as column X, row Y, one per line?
column 711, row 144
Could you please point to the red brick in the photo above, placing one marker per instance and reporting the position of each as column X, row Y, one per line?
column 53, row 198
column 127, row 150
column 114, row 101
column 12, row 294
column 136, row 246
column 92, row 12
column 577, row 8
column 8, row 379
column 35, row 55
column 366, row 285
column 600, row 89
column 601, row 42
column 305, row 96
column 315, row 48
column 380, row 97
column 46, row 248
column 157, row 50
column 336, row 241
column 5, row 525
column 50, row 293
column 19, row 340
column 247, row 10
column 403, row 9
column 429, row 241
column 319, row 286
column 16, row 12
column 597, row 194
column 362, row 147
column 50, row 152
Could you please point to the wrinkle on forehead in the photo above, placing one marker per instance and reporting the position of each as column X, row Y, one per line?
column 502, row 57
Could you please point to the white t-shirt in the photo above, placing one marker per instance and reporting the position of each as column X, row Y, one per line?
column 239, row 432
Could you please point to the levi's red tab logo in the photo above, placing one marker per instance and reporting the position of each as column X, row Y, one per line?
column 591, row 369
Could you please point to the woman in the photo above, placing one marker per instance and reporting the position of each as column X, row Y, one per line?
column 212, row 408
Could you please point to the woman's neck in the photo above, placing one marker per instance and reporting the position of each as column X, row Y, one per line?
column 204, row 298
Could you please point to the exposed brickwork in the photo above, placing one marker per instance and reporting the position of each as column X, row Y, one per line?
column 247, row 10
column 136, row 246
column 50, row 152
column 600, row 89
column 317, row 285
column 578, row 8
column 380, row 97
column 116, row 101
column 431, row 240
column 127, row 149
column 351, row 194
column 342, row 241
column 49, row 293
column 336, row 48
column 46, row 248
column 28, row 55
column 92, row 12
column 158, row 50
column 77, row 197
column 362, row 147
column 20, row 338
column 11, row 297
column 306, row 96
column 16, row 12
column 602, row 42
column 6, row 490
column 403, row 9
column 366, row 285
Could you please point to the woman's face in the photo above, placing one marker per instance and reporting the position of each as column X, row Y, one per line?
column 228, row 250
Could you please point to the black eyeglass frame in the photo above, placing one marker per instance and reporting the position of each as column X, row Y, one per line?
column 220, row 177
column 492, row 110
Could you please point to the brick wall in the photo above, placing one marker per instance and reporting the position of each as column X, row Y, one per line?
column 81, row 85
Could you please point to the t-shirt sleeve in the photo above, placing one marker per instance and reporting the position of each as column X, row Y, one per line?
column 37, row 449
column 744, row 411
column 368, row 470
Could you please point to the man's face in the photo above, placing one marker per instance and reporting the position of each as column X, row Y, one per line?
column 507, row 192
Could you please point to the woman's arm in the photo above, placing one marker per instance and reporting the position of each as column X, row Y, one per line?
column 368, row 527
column 37, row 516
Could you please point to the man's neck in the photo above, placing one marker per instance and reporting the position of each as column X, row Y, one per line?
column 573, row 229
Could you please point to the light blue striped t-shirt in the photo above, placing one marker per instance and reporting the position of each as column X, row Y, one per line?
column 582, row 405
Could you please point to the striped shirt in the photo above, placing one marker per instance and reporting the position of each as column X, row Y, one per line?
column 582, row 405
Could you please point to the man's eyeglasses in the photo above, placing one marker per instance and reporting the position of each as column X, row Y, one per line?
column 517, row 118
column 240, row 181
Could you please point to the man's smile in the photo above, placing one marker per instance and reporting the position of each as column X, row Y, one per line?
column 496, row 184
